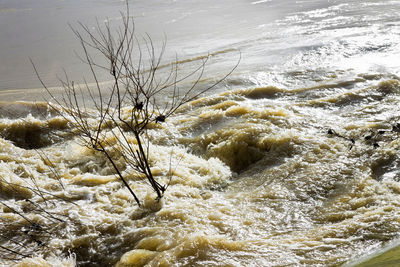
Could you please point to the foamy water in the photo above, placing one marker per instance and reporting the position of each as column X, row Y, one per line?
column 292, row 161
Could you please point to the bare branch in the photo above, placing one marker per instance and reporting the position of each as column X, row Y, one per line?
column 135, row 98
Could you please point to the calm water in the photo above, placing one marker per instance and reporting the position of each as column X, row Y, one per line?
column 292, row 161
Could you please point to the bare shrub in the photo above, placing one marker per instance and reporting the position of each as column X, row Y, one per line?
column 134, row 100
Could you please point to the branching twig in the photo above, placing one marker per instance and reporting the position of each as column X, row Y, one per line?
column 132, row 102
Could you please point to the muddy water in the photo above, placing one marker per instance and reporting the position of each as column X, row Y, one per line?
column 292, row 161
column 260, row 177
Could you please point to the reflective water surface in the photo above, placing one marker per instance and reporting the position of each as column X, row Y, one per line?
column 291, row 161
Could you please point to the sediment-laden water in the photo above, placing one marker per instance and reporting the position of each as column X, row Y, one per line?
column 292, row 161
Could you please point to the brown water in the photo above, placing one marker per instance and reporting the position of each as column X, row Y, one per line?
column 292, row 161
column 257, row 181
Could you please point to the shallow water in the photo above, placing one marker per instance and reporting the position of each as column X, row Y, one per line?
column 292, row 161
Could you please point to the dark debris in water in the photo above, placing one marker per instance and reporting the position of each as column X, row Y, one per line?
column 372, row 138
column 334, row 133
column 376, row 138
